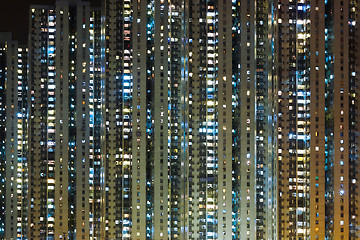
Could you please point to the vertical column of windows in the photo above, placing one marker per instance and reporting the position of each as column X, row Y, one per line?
column 140, row 215
column 150, row 68
column 42, row 159
column 105, row 143
column 262, row 111
column 108, row 110
column 272, row 161
column 224, row 184
column 317, row 118
column 13, row 151
column 160, row 102
column 293, row 124
column 211, row 123
column 51, row 124
column 34, row 165
column 175, row 85
column 13, row 162
column 247, row 120
column 61, row 90
column 329, row 120
column 291, row 93
column 202, row 80
column 3, row 69
column 236, row 130
column 22, row 171
column 281, row 147
column 9, row 144
column 72, row 118
column 353, row 110
column 95, row 120
column 114, row 117
column 303, row 119
column 127, row 156
column 341, row 192
column 82, row 18
column 195, row 57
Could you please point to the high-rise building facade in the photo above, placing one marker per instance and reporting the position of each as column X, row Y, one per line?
column 253, row 120
column 95, row 127
column 317, row 128
column 293, row 125
column 182, row 119
column 341, row 125
column 14, row 159
column 4, row 63
column 59, row 128
column 185, row 120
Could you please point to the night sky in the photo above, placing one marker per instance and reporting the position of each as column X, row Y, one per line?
column 14, row 16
